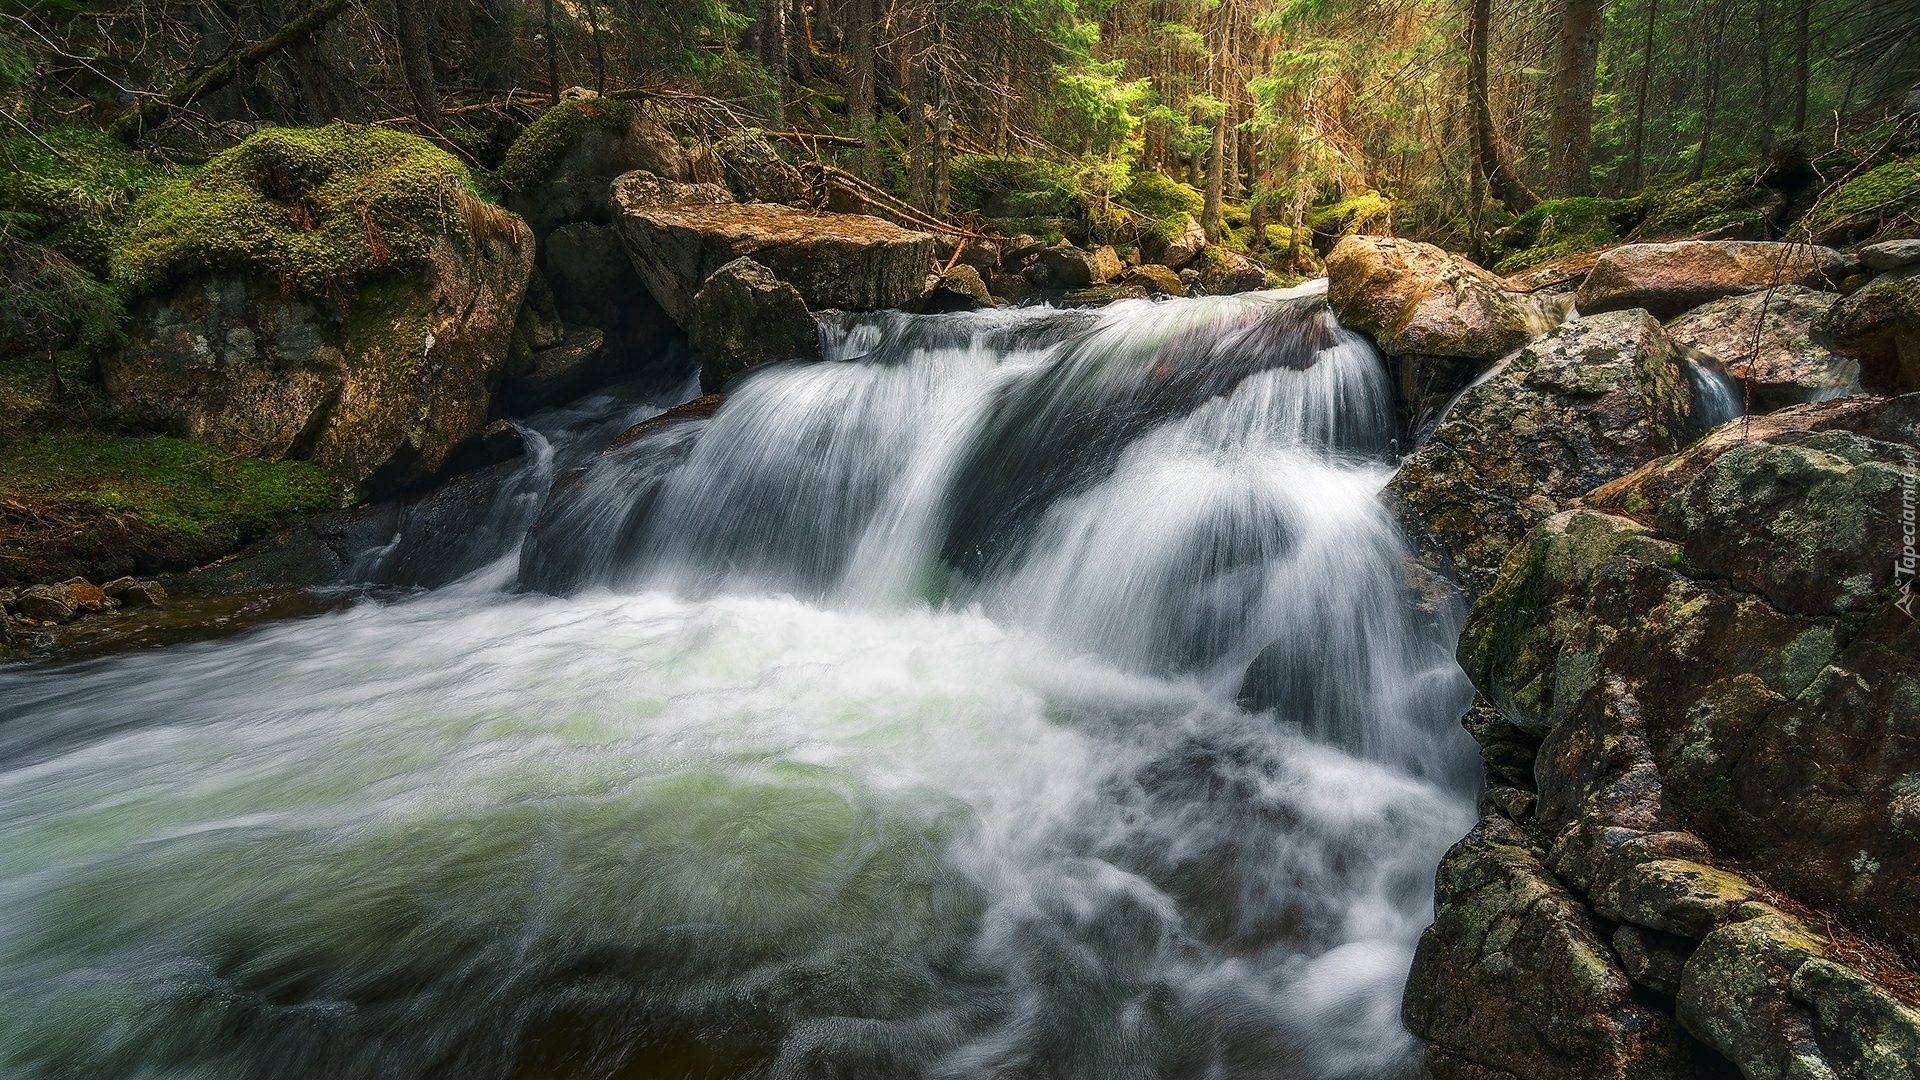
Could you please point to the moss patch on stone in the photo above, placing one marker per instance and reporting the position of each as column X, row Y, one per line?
column 319, row 209
column 98, row 505
column 545, row 141
column 69, row 189
column 1675, row 208
column 1882, row 202
column 1554, row 228
column 1351, row 215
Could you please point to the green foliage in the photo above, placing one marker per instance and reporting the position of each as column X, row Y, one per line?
column 49, row 302
column 1013, row 186
column 69, row 189
column 1155, row 196
column 540, row 147
column 174, row 485
column 1672, row 207
column 1092, row 109
column 317, row 208
column 1554, row 228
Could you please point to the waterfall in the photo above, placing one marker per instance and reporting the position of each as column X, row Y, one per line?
column 1021, row 693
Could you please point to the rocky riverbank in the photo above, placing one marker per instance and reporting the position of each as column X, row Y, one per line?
column 1695, row 661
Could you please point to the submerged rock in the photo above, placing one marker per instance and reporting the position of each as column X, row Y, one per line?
column 1768, row 341
column 1591, row 401
column 1415, row 298
column 1668, row 279
column 678, row 235
column 744, row 316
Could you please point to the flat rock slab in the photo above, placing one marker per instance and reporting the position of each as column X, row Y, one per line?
column 1668, row 279
column 854, row 262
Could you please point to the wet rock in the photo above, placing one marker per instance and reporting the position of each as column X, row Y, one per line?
column 1157, row 280
column 846, row 261
column 1879, row 325
column 1415, row 298
column 578, row 362
column 961, row 289
column 1010, row 288
column 1077, row 268
column 1179, row 248
column 377, row 392
column 134, row 593
column 1891, row 255
column 1668, row 279
column 744, row 316
column 1767, row 340
column 48, row 603
column 1515, row 975
column 1590, row 402
column 88, row 598
column 1192, row 280
column 1224, row 272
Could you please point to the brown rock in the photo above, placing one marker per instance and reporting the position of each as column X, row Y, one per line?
column 1224, row 272
column 1879, row 325
column 1415, row 298
column 1668, row 279
column 1157, row 280
column 1077, row 268
column 743, row 317
column 1178, row 249
column 960, row 289
column 848, row 261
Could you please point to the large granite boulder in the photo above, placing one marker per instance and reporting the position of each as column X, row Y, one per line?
column 372, row 353
column 1879, row 325
column 557, row 171
column 744, row 316
column 1175, row 248
column 1769, row 342
column 1514, row 977
column 1593, row 400
column 678, row 235
column 1668, row 279
column 1414, row 298
column 1077, row 268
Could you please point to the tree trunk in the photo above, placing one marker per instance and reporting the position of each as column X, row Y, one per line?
column 802, row 62
column 773, row 54
column 1712, row 103
column 599, row 48
column 1763, row 28
column 1802, row 66
column 942, row 114
column 919, row 191
column 1212, row 218
column 1571, row 129
column 553, row 58
column 860, row 89
column 1505, row 184
column 1636, row 167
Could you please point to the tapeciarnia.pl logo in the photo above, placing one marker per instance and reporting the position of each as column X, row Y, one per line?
column 1903, row 566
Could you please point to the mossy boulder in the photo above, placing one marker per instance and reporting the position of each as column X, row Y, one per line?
column 340, row 295
column 558, row 170
column 1591, row 401
column 1366, row 212
column 1879, row 325
column 1739, row 203
column 1669, row 279
column 1879, row 204
column 1174, row 241
column 1554, row 228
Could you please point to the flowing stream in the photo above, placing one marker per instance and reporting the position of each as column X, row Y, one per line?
column 1024, row 693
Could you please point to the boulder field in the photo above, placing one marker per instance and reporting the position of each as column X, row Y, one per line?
column 1695, row 656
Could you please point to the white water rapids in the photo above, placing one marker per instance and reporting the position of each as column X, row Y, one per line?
column 1018, row 694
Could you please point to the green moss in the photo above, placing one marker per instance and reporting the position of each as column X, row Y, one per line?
column 319, row 209
column 540, row 147
column 1154, row 195
column 1368, row 209
column 97, row 505
column 1673, row 208
column 1554, row 228
column 1873, row 201
column 69, row 189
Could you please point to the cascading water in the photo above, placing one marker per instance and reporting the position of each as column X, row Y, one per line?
column 1023, row 693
